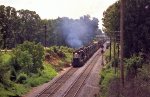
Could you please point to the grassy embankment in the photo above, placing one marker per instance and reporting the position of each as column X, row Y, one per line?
column 59, row 57
column 16, row 81
column 108, row 72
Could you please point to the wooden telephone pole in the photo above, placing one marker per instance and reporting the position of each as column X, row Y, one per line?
column 45, row 28
column 122, row 41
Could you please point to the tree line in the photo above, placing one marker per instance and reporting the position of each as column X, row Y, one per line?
column 136, row 25
column 17, row 26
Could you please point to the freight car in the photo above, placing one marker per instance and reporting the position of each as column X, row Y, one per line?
column 81, row 55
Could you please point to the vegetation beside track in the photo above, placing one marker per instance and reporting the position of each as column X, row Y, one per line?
column 27, row 66
column 59, row 56
column 136, row 50
column 136, row 78
column 108, row 72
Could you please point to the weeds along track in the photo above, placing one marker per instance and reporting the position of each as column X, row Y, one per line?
column 51, row 89
column 79, row 82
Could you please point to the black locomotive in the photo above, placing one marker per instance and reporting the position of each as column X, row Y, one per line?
column 81, row 55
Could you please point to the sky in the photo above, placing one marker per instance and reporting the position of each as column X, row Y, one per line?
column 52, row 9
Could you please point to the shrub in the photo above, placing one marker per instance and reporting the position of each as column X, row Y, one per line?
column 17, row 90
column 44, row 76
column 22, row 77
column 144, row 73
column 59, row 56
column 24, row 61
column 5, row 93
column 48, row 71
column 107, row 75
column 60, row 51
column 133, row 64
column 31, row 52
column 5, row 61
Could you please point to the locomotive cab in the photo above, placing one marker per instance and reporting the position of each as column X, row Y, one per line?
column 76, row 61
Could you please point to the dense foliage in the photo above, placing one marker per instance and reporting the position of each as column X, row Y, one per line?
column 111, row 20
column 133, row 64
column 136, row 78
column 136, row 51
column 136, row 26
column 5, row 68
column 23, row 68
column 28, row 57
column 17, row 26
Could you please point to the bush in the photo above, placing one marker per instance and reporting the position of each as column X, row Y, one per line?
column 63, row 56
column 3, row 92
column 24, row 61
column 48, row 71
column 31, row 52
column 22, row 77
column 56, row 51
column 133, row 64
column 5, row 61
column 44, row 76
column 23, row 68
column 17, row 90
column 107, row 75
column 144, row 73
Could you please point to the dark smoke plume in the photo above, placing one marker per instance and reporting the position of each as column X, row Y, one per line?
column 78, row 32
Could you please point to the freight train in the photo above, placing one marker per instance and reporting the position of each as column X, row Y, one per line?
column 81, row 55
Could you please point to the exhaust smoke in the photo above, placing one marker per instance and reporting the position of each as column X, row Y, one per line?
column 78, row 32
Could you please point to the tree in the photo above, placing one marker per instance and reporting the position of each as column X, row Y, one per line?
column 2, row 15
column 111, row 20
column 29, row 25
column 137, row 25
column 8, row 17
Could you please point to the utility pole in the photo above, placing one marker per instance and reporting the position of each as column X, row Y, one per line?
column 45, row 27
column 110, row 50
column 102, row 52
column 122, row 41
column 115, row 51
column 114, row 45
column 118, row 50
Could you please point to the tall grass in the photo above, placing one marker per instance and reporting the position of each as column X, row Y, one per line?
column 108, row 72
column 43, row 76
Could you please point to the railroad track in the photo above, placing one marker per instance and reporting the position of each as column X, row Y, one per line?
column 75, row 86
column 80, row 81
column 51, row 89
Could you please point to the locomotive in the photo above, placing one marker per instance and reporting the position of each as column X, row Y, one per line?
column 81, row 55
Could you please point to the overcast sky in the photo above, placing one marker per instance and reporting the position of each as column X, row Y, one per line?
column 51, row 9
